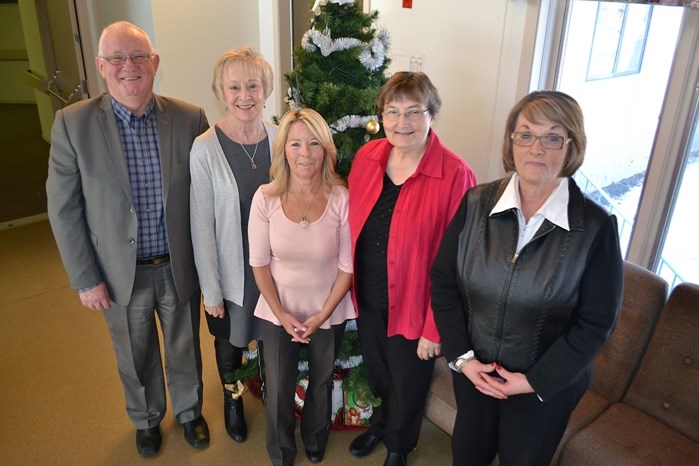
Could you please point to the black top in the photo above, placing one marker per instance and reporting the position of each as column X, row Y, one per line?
column 372, row 249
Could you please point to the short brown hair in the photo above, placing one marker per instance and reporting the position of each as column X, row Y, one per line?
column 249, row 59
column 280, row 171
column 554, row 106
column 410, row 85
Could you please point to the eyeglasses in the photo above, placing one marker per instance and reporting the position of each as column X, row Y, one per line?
column 136, row 59
column 550, row 141
column 411, row 115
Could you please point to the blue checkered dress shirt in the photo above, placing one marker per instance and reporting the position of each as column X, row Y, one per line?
column 139, row 140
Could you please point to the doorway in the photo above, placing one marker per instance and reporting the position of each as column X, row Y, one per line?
column 49, row 74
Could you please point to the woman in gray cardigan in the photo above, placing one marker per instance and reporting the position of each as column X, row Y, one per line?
column 228, row 163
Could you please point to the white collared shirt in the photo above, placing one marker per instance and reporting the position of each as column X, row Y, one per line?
column 555, row 209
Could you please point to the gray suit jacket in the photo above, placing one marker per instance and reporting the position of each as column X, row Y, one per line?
column 90, row 204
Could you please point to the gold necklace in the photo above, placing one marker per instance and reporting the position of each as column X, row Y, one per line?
column 252, row 158
column 304, row 221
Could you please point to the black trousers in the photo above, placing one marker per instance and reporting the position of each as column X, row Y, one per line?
column 522, row 430
column 398, row 376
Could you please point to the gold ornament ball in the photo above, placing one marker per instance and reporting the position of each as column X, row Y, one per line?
column 372, row 127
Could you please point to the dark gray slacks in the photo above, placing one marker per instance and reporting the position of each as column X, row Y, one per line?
column 137, row 348
column 281, row 357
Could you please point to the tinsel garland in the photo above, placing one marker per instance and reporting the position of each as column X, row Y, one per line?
column 319, row 3
column 372, row 57
column 351, row 121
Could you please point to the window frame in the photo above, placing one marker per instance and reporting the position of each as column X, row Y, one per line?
column 673, row 133
column 621, row 40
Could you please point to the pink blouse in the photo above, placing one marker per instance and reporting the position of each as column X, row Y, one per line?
column 304, row 262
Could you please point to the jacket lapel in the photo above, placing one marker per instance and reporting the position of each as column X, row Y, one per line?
column 107, row 122
column 165, row 135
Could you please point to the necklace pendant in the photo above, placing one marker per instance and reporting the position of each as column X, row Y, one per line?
column 254, row 165
column 303, row 223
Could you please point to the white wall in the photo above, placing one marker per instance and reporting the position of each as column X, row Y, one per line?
column 478, row 54
column 191, row 37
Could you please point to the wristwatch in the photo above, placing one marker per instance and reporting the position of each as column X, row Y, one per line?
column 461, row 361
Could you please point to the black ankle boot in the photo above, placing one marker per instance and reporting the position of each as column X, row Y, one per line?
column 234, row 417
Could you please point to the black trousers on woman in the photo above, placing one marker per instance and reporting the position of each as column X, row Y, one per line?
column 398, row 376
column 522, row 430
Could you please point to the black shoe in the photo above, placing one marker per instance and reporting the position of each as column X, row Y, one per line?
column 315, row 456
column 396, row 459
column 148, row 441
column 196, row 432
column 364, row 444
column 234, row 418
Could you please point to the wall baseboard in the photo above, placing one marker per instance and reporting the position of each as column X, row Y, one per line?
column 23, row 221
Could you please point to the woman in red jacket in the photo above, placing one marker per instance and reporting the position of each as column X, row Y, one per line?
column 404, row 190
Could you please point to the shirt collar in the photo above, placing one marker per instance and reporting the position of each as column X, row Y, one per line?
column 555, row 209
column 125, row 114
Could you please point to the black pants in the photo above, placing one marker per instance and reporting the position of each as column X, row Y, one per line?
column 522, row 429
column 398, row 376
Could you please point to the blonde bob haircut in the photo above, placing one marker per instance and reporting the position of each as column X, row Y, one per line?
column 250, row 61
column 556, row 107
column 280, row 172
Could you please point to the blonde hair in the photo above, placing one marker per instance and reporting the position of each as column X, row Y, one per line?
column 554, row 106
column 249, row 60
column 280, row 172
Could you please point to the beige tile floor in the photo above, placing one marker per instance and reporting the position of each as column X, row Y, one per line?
column 60, row 396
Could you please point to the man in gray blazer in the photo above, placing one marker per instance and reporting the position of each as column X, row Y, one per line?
column 118, row 203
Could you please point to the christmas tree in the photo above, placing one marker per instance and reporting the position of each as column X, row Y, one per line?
column 339, row 69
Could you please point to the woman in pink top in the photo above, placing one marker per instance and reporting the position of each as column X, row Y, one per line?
column 404, row 190
column 300, row 254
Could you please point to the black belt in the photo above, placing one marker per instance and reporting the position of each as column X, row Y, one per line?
column 154, row 260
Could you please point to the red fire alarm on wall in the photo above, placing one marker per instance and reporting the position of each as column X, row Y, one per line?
column 407, row 3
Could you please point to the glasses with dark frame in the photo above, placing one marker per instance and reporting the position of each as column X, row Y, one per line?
column 549, row 141
column 136, row 59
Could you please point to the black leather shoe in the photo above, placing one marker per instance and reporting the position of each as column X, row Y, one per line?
column 364, row 444
column 196, row 432
column 315, row 456
column 148, row 441
column 234, row 418
column 396, row 459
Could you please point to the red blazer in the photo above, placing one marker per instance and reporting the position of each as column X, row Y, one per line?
column 425, row 206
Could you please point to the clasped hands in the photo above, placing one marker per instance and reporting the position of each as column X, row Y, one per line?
column 496, row 381
column 301, row 331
